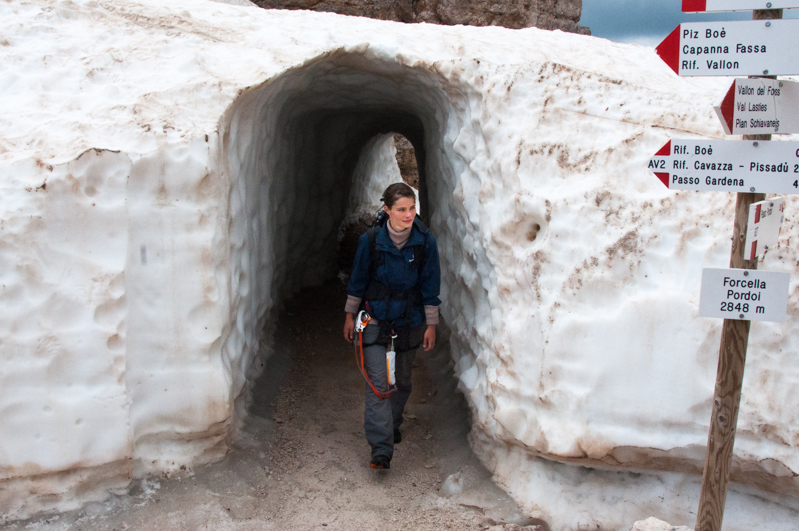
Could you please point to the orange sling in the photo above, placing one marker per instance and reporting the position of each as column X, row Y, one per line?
column 363, row 320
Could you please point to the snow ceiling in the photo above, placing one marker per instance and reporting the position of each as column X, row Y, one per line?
column 171, row 170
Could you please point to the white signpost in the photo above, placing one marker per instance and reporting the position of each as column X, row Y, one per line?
column 701, row 6
column 763, row 227
column 766, row 46
column 728, row 166
column 733, row 48
column 744, row 295
column 760, row 106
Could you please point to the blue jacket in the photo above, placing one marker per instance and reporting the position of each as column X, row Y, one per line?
column 398, row 272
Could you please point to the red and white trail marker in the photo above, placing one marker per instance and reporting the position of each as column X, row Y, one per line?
column 763, row 228
column 702, row 6
column 760, row 106
column 733, row 48
column 728, row 166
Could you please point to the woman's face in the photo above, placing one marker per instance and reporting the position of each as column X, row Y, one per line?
column 401, row 214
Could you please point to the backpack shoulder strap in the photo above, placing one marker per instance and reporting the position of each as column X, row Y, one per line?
column 419, row 251
column 420, row 225
column 374, row 254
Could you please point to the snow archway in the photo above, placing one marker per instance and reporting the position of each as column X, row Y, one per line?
column 289, row 150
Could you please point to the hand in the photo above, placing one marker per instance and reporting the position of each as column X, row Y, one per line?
column 429, row 338
column 349, row 328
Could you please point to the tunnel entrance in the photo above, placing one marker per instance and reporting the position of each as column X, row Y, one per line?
column 290, row 149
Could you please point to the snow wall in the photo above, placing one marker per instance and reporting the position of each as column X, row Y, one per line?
column 170, row 171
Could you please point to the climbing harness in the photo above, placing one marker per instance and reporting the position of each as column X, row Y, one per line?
column 377, row 291
column 363, row 320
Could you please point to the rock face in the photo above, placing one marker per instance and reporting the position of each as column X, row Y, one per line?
column 546, row 14
column 179, row 167
column 406, row 160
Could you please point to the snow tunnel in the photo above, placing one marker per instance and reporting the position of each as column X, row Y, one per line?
column 290, row 149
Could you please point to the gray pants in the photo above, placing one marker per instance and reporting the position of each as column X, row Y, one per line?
column 383, row 415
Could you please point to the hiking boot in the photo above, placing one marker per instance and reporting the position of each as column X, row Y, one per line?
column 380, row 462
column 397, row 436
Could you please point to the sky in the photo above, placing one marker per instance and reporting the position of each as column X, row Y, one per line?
column 647, row 22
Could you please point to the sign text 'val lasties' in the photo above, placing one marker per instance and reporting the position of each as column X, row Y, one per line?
column 760, row 106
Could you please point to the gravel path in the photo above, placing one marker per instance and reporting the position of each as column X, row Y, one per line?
column 301, row 459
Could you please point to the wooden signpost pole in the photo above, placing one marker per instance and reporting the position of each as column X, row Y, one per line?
column 730, row 373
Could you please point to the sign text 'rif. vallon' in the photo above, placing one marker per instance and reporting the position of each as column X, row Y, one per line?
column 733, row 48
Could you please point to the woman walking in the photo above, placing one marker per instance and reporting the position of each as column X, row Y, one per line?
column 396, row 281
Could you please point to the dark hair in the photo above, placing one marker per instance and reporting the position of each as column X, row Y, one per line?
column 396, row 191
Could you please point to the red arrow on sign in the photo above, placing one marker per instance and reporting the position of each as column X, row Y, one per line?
column 733, row 47
column 694, row 6
column 704, row 6
column 665, row 151
column 669, row 50
column 760, row 106
column 728, row 107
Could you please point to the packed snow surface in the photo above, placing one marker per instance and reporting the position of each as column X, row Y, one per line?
column 171, row 170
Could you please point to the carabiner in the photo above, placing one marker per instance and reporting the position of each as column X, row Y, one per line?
column 363, row 320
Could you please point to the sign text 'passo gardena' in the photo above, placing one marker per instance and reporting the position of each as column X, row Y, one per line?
column 728, row 166
column 760, row 106
column 733, row 48
column 744, row 294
